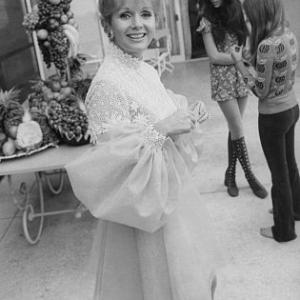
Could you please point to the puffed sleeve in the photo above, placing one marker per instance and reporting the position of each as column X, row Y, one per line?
column 204, row 26
column 134, row 174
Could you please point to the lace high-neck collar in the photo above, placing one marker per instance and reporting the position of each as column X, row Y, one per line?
column 123, row 57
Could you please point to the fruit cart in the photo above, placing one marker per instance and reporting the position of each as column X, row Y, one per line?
column 43, row 165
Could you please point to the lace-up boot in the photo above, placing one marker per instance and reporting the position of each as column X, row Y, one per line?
column 239, row 146
column 229, row 181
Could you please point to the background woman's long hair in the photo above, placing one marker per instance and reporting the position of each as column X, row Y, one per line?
column 227, row 18
column 265, row 17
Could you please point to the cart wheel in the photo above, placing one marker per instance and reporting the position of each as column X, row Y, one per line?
column 55, row 190
column 33, row 222
column 32, row 225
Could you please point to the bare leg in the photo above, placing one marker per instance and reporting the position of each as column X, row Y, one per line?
column 233, row 112
column 242, row 102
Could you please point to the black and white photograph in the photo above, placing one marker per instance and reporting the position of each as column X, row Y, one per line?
column 149, row 150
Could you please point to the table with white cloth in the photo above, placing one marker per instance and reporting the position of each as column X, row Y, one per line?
column 43, row 165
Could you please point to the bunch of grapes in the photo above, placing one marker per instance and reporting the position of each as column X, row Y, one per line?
column 67, row 118
column 54, row 9
column 59, row 48
column 31, row 20
column 48, row 20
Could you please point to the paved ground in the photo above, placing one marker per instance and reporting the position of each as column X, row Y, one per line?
column 257, row 268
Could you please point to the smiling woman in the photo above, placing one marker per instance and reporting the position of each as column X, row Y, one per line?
column 132, row 26
column 153, row 239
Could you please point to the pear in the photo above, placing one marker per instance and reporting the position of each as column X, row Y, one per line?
column 9, row 147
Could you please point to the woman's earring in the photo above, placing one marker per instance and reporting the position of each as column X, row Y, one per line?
column 110, row 35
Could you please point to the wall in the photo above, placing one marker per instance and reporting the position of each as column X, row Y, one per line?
column 92, row 42
column 86, row 15
column 292, row 9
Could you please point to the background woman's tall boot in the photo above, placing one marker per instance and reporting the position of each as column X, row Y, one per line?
column 239, row 146
column 229, row 181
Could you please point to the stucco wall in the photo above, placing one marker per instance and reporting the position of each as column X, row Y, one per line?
column 292, row 9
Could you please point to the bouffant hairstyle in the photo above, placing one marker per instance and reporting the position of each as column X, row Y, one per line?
column 108, row 7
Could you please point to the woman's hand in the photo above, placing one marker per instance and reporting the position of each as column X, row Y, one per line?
column 178, row 123
column 246, row 54
column 198, row 112
column 236, row 53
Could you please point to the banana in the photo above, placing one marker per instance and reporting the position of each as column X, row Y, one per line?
column 71, row 41
column 73, row 30
column 74, row 42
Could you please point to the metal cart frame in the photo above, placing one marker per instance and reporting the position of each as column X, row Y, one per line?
column 43, row 165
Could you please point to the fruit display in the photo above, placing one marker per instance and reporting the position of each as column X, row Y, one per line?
column 22, row 129
column 57, row 106
column 69, row 119
column 17, row 131
column 56, row 31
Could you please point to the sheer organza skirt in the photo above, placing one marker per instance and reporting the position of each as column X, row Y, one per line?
column 177, row 262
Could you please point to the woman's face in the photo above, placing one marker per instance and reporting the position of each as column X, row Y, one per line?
column 133, row 26
column 216, row 3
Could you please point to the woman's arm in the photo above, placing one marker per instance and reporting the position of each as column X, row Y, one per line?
column 135, row 174
column 259, row 83
column 216, row 57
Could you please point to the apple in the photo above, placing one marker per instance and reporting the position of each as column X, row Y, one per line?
column 12, row 131
column 48, row 96
column 70, row 14
column 64, row 19
column 66, row 91
column 53, row 24
column 42, row 34
column 2, row 138
column 46, row 44
column 9, row 147
column 72, row 21
column 55, row 86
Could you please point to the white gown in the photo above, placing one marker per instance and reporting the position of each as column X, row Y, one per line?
column 153, row 240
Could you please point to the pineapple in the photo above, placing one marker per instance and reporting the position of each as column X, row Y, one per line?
column 11, row 111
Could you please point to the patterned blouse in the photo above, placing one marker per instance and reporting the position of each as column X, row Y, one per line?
column 277, row 59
